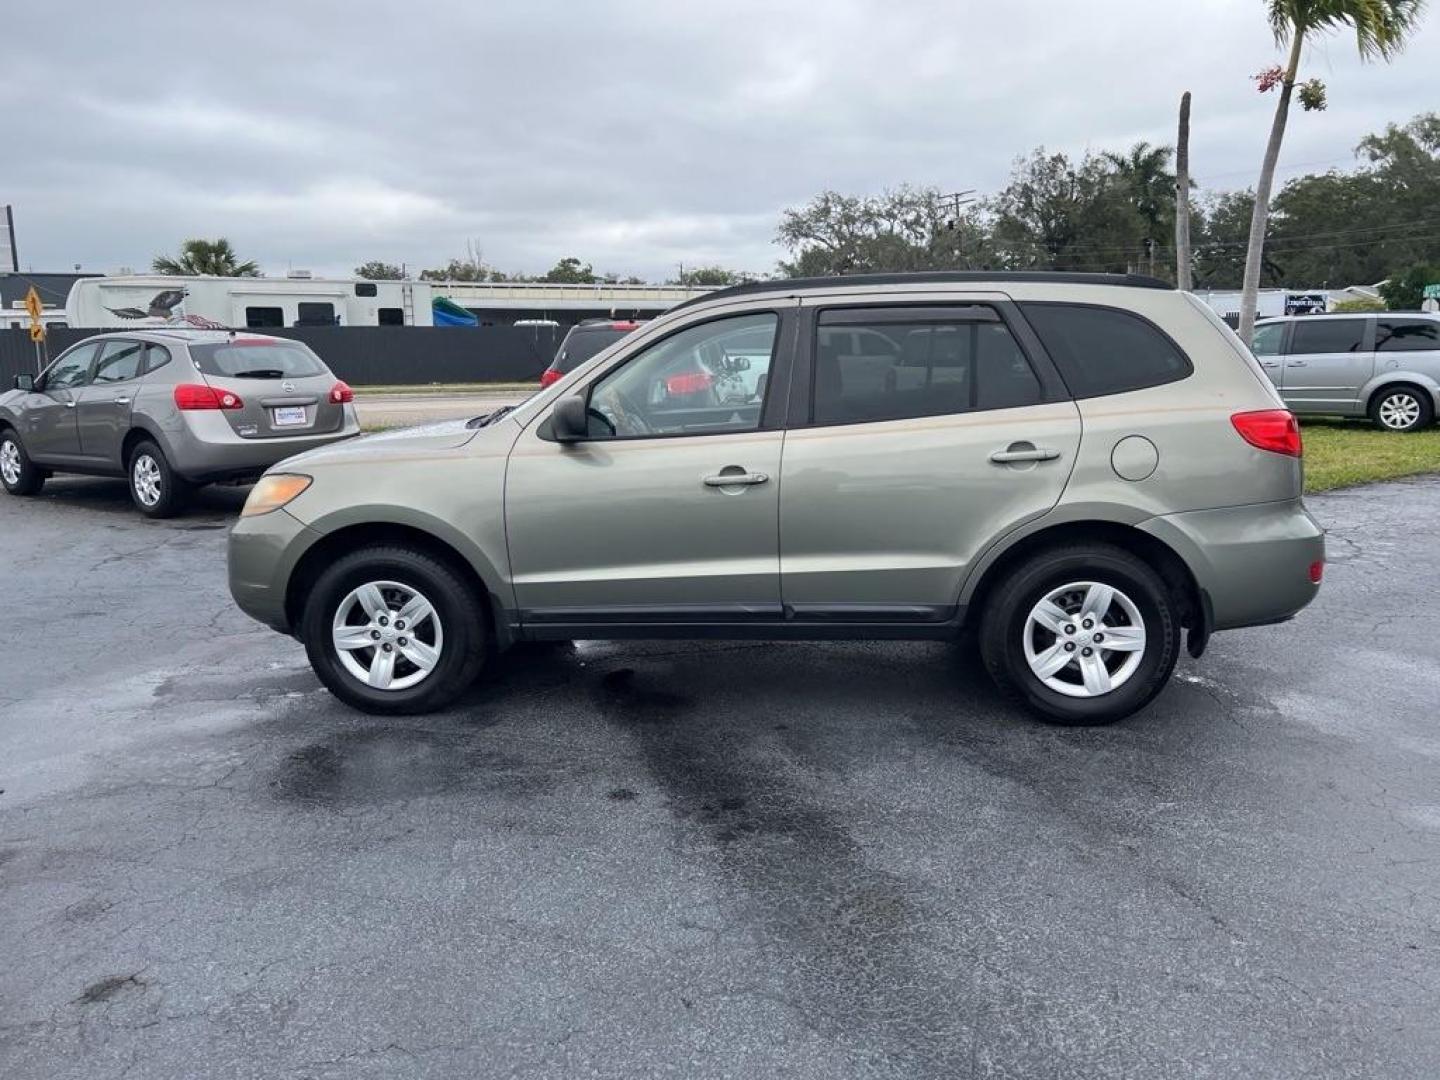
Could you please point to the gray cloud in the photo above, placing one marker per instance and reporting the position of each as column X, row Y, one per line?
column 635, row 134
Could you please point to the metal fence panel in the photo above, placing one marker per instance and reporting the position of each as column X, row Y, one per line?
column 370, row 355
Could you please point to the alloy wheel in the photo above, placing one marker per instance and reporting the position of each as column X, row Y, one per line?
column 145, row 475
column 387, row 635
column 10, row 462
column 1084, row 639
column 1399, row 411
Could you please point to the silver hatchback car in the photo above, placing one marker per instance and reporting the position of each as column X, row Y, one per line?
column 1385, row 366
column 170, row 409
column 1082, row 468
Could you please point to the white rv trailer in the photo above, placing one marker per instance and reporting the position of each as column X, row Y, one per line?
column 254, row 303
column 259, row 303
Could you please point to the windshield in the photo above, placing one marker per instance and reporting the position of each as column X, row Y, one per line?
column 581, row 345
column 257, row 360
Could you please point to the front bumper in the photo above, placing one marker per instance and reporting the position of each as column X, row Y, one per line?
column 206, row 448
column 262, row 554
column 1251, row 562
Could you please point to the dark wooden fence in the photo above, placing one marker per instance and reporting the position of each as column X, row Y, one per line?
column 370, row 355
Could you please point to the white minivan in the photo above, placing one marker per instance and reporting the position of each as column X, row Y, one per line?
column 1385, row 366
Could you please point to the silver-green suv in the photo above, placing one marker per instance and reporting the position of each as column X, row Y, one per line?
column 1082, row 468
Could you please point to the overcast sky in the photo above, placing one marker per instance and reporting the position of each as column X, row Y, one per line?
column 635, row 135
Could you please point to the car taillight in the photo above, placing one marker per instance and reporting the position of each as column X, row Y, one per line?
column 1275, row 430
column 1317, row 571
column 194, row 396
column 341, row 394
column 549, row 377
column 694, row 382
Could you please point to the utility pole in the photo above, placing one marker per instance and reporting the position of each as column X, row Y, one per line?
column 951, row 204
column 10, row 229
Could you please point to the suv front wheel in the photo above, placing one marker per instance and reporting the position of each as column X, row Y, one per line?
column 393, row 630
column 18, row 473
column 1082, row 635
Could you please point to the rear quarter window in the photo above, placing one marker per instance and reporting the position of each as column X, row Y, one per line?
column 1104, row 350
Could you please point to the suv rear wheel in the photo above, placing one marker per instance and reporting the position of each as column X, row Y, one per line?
column 393, row 630
column 1082, row 635
column 1402, row 408
column 155, row 488
column 18, row 473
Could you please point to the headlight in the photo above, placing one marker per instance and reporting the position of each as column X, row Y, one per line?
column 274, row 491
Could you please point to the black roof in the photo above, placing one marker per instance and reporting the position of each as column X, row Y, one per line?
column 54, row 289
column 932, row 277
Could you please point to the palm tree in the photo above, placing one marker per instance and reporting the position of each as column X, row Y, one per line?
column 213, row 257
column 1183, row 268
column 1381, row 27
column 1145, row 172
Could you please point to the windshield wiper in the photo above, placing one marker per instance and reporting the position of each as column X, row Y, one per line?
column 490, row 418
column 258, row 373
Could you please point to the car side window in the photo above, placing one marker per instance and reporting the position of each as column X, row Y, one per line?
column 156, row 357
column 72, row 370
column 1267, row 339
column 890, row 364
column 119, row 361
column 1103, row 350
column 1327, row 336
column 1407, row 335
column 710, row 378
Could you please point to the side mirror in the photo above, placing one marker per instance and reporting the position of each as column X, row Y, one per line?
column 24, row 382
column 569, row 420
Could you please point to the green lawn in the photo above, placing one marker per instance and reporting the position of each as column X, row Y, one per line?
column 1342, row 453
column 451, row 388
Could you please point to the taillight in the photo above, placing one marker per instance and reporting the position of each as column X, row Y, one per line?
column 1317, row 571
column 1275, row 430
column 193, row 396
column 341, row 394
column 694, row 382
column 549, row 377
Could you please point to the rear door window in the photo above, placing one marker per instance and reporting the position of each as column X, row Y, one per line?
column 242, row 359
column 156, row 357
column 119, row 361
column 1101, row 350
column 1407, row 335
column 890, row 364
column 1327, row 336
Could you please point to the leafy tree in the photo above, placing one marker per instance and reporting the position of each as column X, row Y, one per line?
column 211, row 257
column 467, row 269
column 380, row 271
column 1381, row 27
column 1358, row 306
column 570, row 271
column 904, row 229
column 711, row 277
column 1405, row 291
column 1056, row 214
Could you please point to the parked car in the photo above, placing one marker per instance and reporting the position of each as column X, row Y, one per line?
column 581, row 342
column 170, row 409
column 1385, row 366
column 1081, row 467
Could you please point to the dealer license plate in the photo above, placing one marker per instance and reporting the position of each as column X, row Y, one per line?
column 290, row 416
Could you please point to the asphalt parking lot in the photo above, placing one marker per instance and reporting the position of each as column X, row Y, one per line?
column 709, row 860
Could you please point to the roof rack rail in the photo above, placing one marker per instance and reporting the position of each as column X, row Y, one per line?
column 931, row 277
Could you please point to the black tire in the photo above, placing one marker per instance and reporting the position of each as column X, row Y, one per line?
column 29, row 478
column 457, row 606
column 1004, row 627
column 171, row 491
column 1410, row 402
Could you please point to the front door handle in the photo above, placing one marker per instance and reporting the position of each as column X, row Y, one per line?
column 1023, row 452
column 122, row 401
column 727, row 479
column 69, row 404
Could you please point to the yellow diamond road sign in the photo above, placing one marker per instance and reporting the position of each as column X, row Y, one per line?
column 37, row 332
column 32, row 303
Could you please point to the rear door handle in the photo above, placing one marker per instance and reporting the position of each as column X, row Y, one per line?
column 122, row 401
column 728, row 479
column 1024, row 452
column 1297, row 363
column 69, row 404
